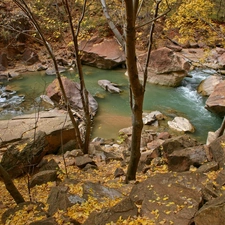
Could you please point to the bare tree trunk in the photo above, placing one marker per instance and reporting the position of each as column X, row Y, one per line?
column 83, row 90
column 136, row 89
column 10, row 186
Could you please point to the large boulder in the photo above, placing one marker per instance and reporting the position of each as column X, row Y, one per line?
column 60, row 199
column 22, row 158
column 177, row 143
column 164, row 60
column 30, row 57
column 43, row 177
column 216, row 101
column 19, row 23
column 72, row 90
column 99, row 191
column 207, row 86
column 166, row 67
column 16, row 215
column 102, row 53
column 221, row 60
column 181, row 160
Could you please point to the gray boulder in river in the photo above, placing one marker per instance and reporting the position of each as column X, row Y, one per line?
column 109, row 86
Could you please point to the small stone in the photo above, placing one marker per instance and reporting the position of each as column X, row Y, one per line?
column 118, row 172
column 43, row 177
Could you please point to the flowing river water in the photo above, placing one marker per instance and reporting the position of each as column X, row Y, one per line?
column 114, row 112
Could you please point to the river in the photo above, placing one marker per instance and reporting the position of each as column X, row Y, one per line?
column 114, row 112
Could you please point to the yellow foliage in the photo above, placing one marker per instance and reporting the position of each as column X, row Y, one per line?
column 25, row 216
column 80, row 212
column 192, row 18
column 133, row 221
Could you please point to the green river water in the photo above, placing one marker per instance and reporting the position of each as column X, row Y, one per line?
column 114, row 111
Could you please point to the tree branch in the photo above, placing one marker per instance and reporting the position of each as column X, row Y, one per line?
column 112, row 26
column 150, row 43
column 22, row 4
column 156, row 18
column 10, row 186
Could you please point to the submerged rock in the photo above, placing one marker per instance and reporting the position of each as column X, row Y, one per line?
column 51, row 71
column 109, row 86
column 150, row 118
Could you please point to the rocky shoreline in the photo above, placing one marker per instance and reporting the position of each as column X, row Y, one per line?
column 183, row 164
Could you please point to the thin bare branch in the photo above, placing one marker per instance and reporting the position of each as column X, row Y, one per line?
column 154, row 19
column 150, row 43
column 22, row 4
column 10, row 186
column 83, row 90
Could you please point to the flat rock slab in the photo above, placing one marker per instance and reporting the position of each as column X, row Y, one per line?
column 172, row 198
column 24, row 126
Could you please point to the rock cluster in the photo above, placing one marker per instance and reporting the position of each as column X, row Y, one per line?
column 180, row 195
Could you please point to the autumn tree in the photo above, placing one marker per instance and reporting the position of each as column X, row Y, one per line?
column 193, row 21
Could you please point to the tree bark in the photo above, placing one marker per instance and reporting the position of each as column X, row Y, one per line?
column 137, row 90
column 13, row 191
